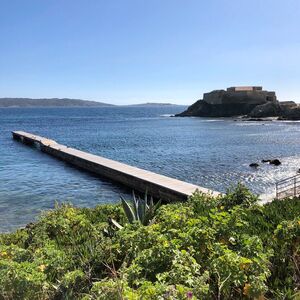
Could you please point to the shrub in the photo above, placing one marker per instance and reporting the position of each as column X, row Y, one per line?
column 227, row 247
column 239, row 195
column 24, row 280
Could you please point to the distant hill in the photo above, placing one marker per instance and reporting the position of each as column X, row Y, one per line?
column 52, row 102
column 153, row 104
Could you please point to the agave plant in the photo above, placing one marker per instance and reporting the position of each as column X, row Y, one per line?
column 141, row 210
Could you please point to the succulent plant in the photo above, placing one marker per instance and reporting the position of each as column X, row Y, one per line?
column 141, row 210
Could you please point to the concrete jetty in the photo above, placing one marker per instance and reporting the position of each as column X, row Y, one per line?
column 156, row 185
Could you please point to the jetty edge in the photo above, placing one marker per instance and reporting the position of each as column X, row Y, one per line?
column 156, row 185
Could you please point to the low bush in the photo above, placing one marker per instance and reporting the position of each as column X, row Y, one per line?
column 227, row 247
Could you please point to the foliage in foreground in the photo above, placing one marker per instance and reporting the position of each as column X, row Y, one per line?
column 140, row 210
column 207, row 248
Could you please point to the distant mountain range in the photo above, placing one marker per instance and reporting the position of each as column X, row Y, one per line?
column 152, row 104
column 45, row 102
column 60, row 102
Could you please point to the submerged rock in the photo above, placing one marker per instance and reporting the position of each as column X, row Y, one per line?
column 275, row 162
column 257, row 120
column 254, row 165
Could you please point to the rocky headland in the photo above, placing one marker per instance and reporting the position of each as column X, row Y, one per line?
column 251, row 102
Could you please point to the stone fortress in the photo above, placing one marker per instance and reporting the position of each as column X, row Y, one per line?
column 248, row 101
column 243, row 94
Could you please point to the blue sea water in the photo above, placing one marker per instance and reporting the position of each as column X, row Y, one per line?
column 214, row 153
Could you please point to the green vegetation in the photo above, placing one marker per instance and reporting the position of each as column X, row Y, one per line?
column 207, row 248
column 141, row 210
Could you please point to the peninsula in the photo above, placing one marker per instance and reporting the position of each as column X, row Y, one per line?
column 248, row 101
column 49, row 102
column 65, row 102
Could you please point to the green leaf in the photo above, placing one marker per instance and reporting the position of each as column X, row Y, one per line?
column 141, row 211
column 115, row 223
column 135, row 205
column 128, row 210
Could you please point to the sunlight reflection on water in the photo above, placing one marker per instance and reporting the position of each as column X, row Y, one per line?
column 214, row 153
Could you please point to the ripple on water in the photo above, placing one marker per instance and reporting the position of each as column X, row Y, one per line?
column 213, row 153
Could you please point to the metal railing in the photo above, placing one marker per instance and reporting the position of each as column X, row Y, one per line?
column 288, row 187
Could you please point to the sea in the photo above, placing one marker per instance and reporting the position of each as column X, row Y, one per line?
column 211, row 152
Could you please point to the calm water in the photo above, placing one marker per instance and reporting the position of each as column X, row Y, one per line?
column 213, row 153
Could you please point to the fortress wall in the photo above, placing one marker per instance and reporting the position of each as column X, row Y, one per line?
column 251, row 97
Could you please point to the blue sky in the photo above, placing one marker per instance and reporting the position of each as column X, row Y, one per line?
column 133, row 51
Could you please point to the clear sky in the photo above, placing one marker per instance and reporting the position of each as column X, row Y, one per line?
column 133, row 51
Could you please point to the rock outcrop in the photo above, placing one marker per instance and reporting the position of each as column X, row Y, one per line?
column 252, row 102
column 289, row 110
column 269, row 109
column 275, row 162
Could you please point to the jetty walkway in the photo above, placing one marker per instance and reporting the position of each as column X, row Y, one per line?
column 156, row 185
